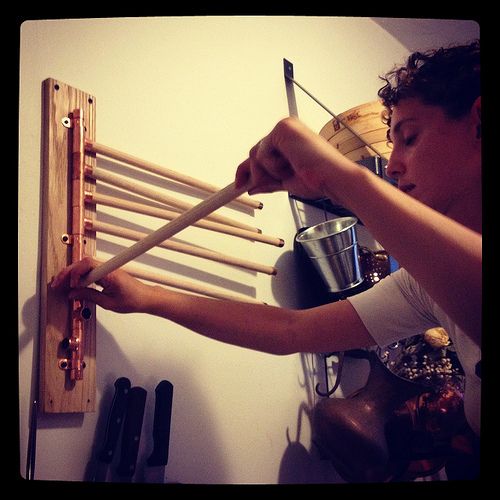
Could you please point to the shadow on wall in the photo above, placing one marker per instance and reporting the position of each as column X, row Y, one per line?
column 160, row 184
column 299, row 465
column 190, row 272
column 286, row 284
column 299, row 286
column 195, row 455
column 302, row 466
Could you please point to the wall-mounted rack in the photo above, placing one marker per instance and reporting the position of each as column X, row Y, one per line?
column 71, row 176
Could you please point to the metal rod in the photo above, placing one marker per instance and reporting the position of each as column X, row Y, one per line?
column 334, row 115
column 31, row 452
column 290, row 94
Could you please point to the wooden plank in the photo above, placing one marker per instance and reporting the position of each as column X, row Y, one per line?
column 59, row 394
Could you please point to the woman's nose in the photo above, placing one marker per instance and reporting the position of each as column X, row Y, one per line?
column 395, row 167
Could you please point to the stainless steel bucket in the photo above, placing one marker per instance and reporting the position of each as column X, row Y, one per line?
column 333, row 248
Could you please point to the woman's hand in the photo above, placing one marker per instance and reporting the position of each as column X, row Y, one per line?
column 294, row 159
column 120, row 292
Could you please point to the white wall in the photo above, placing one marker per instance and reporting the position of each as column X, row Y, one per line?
column 193, row 94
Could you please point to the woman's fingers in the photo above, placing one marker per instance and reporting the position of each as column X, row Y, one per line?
column 86, row 294
column 242, row 177
column 70, row 276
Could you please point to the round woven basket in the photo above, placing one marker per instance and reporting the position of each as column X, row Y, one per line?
column 366, row 121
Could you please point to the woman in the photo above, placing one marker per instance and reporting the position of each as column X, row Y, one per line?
column 431, row 224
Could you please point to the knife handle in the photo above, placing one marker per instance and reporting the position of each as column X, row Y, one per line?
column 164, row 393
column 132, row 427
column 115, row 420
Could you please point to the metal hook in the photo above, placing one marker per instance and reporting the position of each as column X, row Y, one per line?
column 329, row 392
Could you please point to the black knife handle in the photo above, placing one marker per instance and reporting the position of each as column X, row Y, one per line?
column 161, row 424
column 132, row 427
column 115, row 420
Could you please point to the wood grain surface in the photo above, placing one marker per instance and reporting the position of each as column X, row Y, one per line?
column 58, row 394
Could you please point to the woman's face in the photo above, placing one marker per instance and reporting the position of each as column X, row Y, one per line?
column 435, row 159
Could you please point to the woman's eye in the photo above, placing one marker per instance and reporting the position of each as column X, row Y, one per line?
column 408, row 141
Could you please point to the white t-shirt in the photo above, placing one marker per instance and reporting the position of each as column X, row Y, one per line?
column 398, row 307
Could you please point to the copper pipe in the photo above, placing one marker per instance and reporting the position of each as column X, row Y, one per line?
column 75, row 342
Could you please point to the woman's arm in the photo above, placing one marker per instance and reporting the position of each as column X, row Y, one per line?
column 443, row 255
column 275, row 330
column 270, row 329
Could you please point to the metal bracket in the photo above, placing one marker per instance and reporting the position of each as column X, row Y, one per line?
column 290, row 91
column 292, row 105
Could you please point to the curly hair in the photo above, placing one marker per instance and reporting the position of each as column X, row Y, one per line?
column 445, row 77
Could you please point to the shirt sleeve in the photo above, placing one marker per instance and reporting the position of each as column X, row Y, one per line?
column 394, row 309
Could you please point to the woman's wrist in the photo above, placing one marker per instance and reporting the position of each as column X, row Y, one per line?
column 343, row 182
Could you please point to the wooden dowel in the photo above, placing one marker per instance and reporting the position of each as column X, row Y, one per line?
column 124, row 183
column 175, row 246
column 103, row 150
column 186, row 285
column 133, row 206
column 184, row 220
